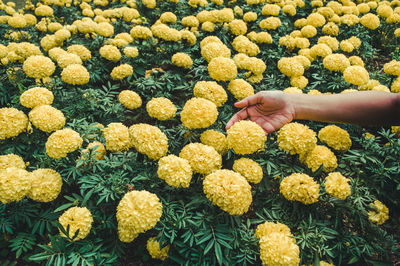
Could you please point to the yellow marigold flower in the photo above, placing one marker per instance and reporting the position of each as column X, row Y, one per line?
column 370, row 21
column 188, row 36
column 38, row 67
column 346, row 46
column 161, row 108
column 296, row 138
column 238, row 27
column 279, row 250
column 153, row 247
column 11, row 160
column 397, row 32
column 243, row 45
column 316, row 20
column 137, row 212
column 15, row 184
column 62, row 142
column 176, row 171
column 75, row 74
column 270, row 23
column 250, row 16
column 240, row 89
column 222, row 69
column 56, row 52
column 211, row 91
column 384, row 11
column 104, row 29
column 356, row 42
column 215, row 139
column 215, row 49
column 370, row 85
column 395, row 85
column 44, row 11
column 149, row 140
column 268, row 228
column 141, row 32
column 121, row 72
column 320, row 155
column 356, row 75
column 76, row 218
column 246, row 137
column 308, row 31
column 67, row 59
column 292, row 90
column 17, row 21
column 300, row 187
column 336, row 185
column 199, row 113
column 228, row 190
column 290, row 67
column 30, row 19
column 202, row 158
column 249, row 169
column 336, row 62
column 80, row 51
column 392, row 68
column 208, row 26
column 130, row 99
column 94, row 147
column 332, row 42
column 190, row 21
column 3, row 51
column 299, row 82
column 47, row 118
column 208, row 40
column 117, row 137
column 36, row 96
column 271, row 10
column 168, row 17
column 335, row 137
column 182, row 60
column 110, row 52
column 380, row 214
column 49, row 41
column 166, row 33
column 289, row 10
column 131, row 52
column 46, row 185
column 12, row 122
column 320, row 50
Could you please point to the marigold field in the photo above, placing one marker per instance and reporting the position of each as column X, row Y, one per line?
column 113, row 148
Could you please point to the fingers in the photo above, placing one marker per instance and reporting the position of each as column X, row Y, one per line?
column 242, row 114
column 251, row 100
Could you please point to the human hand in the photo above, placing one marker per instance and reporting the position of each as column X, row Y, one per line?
column 269, row 109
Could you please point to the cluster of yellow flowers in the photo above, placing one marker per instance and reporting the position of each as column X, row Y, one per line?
column 149, row 140
column 153, row 246
column 121, row 72
column 76, row 218
column 337, row 185
column 199, row 113
column 215, row 139
column 296, row 138
column 176, row 171
column 62, row 142
column 202, row 158
column 228, row 190
column 161, row 108
column 182, row 60
column 117, row 137
column 246, row 137
column 379, row 213
column 15, row 184
column 249, row 169
column 130, row 99
column 300, row 187
column 137, row 212
column 12, row 122
column 318, row 156
column 95, row 147
column 47, row 118
column 211, row 91
column 335, row 137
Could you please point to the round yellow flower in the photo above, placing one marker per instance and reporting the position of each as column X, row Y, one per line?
column 228, row 190
column 279, row 250
column 176, row 171
column 104, row 29
column 141, row 32
column 149, row 140
column 270, row 23
column 337, row 185
column 110, row 52
column 182, row 60
column 320, row 50
column 121, row 72
column 137, row 212
column 370, row 21
column 222, row 69
column 208, row 26
column 215, row 139
column 296, row 138
column 117, row 137
column 153, row 247
column 356, row 75
column 335, row 137
column 392, row 68
column 199, row 113
column 268, row 228
column 299, row 82
column 190, row 21
column 131, row 52
column 15, row 184
column 320, row 155
column 47, row 118
column 300, row 187
column 44, row 11
column 67, row 59
column 36, row 96
column 214, row 49
column 290, row 67
column 308, row 31
column 246, row 137
column 161, row 108
column 211, row 91
column 316, row 20
column 99, row 151
column 38, row 67
column 243, row 45
column 76, row 218
column 11, row 160
column 202, row 158
column 168, row 17
column 75, row 74
column 248, row 168
column 62, row 142
column 238, row 27
column 46, row 185
column 336, row 62
column 240, row 89
column 380, row 214
column 130, row 99
column 12, row 122
column 17, row 21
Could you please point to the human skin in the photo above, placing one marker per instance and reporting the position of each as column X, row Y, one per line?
column 273, row 109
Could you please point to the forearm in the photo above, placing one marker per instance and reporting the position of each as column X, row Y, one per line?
column 363, row 108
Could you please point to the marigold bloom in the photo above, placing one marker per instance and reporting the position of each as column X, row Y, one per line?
column 238, row 27
column 356, row 75
column 222, row 69
column 67, row 59
column 392, row 68
column 268, row 228
column 300, row 187
column 214, row 49
column 38, row 67
column 94, row 147
column 240, row 89
column 121, row 72
column 202, row 158
column 62, row 142
column 130, row 99
column 380, row 214
column 110, row 52
column 12, row 122
column 249, row 169
column 199, row 113
column 279, row 250
column 47, row 118
column 320, row 155
column 149, row 140
column 117, row 137
column 336, row 62
column 76, row 218
column 243, row 45
column 176, row 171
column 335, row 137
column 337, row 185
column 296, row 138
column 131, row 52
column 228, row 190
column 370, row 21
column 15, row 184
column 11, row 160
column 182, row 60
column 215, row 139
column 211, row 91
column 153, row 247
column 161, row 108
column 246, row 137
column 46, row 185
column 290, row 67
